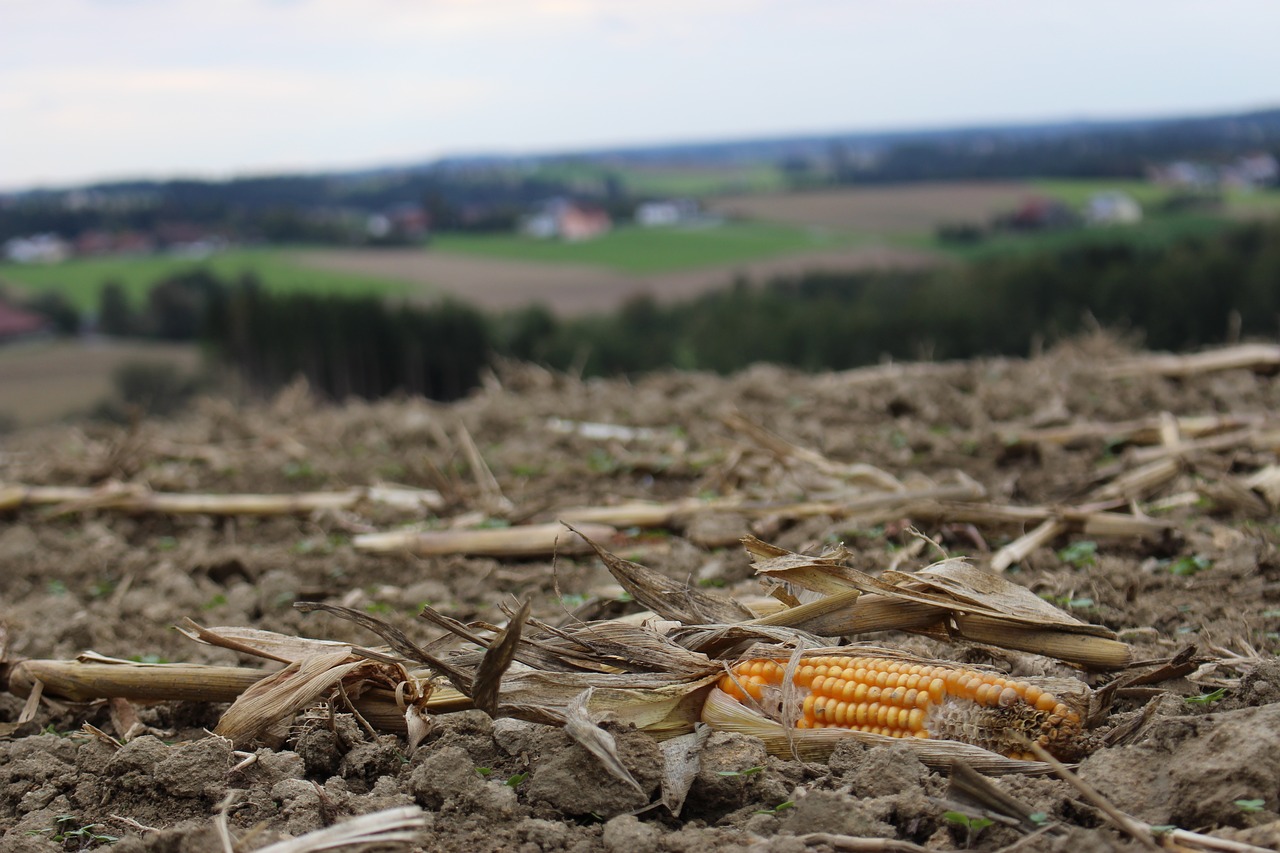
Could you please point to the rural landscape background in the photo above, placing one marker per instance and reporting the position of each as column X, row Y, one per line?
column 608, row 361
column 821, row 252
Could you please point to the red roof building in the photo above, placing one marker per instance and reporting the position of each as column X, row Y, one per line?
column 16, row 323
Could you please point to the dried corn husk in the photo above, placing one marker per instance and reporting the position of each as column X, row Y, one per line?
column 947, row 598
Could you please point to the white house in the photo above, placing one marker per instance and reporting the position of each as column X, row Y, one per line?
column 1112, row 208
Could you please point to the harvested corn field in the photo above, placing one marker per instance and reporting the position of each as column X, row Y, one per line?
column 981, row 605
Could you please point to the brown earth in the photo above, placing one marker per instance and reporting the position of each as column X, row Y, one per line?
column 115, row 583
column 572, row 289
column 46, row 380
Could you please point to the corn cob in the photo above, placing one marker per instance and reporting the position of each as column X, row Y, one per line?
column 903, row 699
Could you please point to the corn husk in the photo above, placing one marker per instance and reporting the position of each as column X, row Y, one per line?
column 947, row 598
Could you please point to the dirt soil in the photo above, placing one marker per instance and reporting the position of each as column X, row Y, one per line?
column 1209, row 759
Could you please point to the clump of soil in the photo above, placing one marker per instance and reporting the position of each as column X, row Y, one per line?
column 85, row 578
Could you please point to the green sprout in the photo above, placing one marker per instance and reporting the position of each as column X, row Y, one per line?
column 72, row 835
column 1185, row 567
column 973, row 826
column 516, row 780
column 1080, row 554
column 778, row 809
column 1206, row 698
column 750, row 771
column 1251, row 806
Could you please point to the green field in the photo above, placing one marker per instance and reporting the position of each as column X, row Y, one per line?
column 80, row 281
column 1154, row 232
column 655, row 250
column 1077, row 193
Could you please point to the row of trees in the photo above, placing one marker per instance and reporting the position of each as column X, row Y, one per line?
column 1196, row 291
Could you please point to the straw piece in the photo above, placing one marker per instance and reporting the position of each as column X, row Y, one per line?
column 1258, row 357
column 133, row 498
column 1145, row 431
column 85, row 682
column 533, row 540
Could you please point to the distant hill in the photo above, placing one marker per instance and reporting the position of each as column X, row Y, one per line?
column 486, row 192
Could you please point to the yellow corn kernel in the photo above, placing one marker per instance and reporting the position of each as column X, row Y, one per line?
column 898, row 699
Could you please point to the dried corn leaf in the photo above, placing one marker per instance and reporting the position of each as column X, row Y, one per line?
column 951, row 596
column 971, row 585
column 496, row 659
column 579, row 726
column 271, row 703
column 668, row 598
column 681, row 762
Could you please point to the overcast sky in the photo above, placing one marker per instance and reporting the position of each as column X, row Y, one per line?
column 93, row 89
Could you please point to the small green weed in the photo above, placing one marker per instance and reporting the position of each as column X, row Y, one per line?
column 778, row 809
column 1207, row 698
column 72, row 835
column 973, row 826
column 1184, row 567
column 516, row 780
column 152, row 658
column 1069, row 603
column 1080, row 554
column 302, row 470
column 1251, row 806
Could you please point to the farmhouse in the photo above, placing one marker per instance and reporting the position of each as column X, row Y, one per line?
column 37, row 249
column 568, row 220
column 1112, row 208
